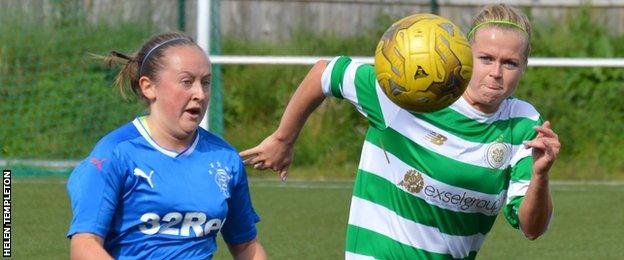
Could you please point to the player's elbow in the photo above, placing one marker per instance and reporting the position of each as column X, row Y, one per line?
column 533, row 234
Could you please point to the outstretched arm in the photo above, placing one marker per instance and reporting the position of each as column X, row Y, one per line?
column 276, row 151
column 536, row 208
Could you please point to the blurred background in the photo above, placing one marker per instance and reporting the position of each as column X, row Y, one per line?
column 56, row 101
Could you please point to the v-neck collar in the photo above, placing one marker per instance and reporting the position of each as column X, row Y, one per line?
column 173, row 154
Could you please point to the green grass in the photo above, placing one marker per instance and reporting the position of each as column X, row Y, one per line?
column 307, row 219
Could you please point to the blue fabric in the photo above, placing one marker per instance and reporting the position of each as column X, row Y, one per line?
column 146, row 202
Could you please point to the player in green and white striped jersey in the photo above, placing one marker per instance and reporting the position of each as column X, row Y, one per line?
column 429, row 186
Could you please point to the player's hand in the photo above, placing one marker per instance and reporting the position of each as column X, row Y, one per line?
column 545, row 148
column 272, row 153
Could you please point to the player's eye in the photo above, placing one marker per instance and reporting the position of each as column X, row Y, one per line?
column 512, row 65
column 187, row 82
column 485, row 59
column 206, row 83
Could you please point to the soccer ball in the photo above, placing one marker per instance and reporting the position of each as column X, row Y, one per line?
column 423, row 62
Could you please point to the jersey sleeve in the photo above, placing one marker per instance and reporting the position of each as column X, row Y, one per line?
column 521, row 170
column 94, row 189
column 356, row 82
column 240, row 223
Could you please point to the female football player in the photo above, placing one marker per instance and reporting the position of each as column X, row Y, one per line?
column 160, row 187
column 430, row 185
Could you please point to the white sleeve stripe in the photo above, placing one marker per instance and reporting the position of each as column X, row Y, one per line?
column 519, row 154
column 516, row 188
column 326, row 78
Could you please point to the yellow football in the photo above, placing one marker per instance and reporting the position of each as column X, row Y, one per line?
column 423, row 62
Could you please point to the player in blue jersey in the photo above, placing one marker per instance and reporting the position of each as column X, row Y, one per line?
column 424, row 179
column 160, row 187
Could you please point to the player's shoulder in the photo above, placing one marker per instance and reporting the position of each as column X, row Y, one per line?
column 521, row 108
column 344, row 61
column 214, row 141
column 111, row 141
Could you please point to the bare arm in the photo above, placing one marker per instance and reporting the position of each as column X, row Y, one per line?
column 250, row 250
column 276, row 151
column 536, row 208
column 87, row 246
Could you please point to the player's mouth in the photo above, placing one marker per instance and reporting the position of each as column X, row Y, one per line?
column 194, row 112
column 493, row 86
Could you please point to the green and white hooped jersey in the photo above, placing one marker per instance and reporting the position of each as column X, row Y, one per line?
column 429, row 186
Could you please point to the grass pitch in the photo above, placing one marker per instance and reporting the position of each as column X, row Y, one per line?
column 307, row 220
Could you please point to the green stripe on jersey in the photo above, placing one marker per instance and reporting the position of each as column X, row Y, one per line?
column 513, row 130
column 337, row 75
column 523, row 169
column 378, row 190
column 367, row 95
column 366, row 242
column 439, row 167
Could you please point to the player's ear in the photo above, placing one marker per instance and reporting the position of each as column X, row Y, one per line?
column 148, row 88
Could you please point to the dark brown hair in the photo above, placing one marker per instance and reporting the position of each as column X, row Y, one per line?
column 145, row 62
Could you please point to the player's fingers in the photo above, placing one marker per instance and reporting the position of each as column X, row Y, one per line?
column 535, row 143
column 283, row 174
column 259, row 166
column 545, row 132
column 248, row 152
column 254, row 160
column 546, row 124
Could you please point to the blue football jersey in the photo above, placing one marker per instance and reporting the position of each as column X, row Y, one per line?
column 149, row 202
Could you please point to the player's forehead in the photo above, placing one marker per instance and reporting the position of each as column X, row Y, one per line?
column 186, row 58
column 500, row 40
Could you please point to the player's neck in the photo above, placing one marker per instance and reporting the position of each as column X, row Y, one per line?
column 166, row 138
column 479, row 106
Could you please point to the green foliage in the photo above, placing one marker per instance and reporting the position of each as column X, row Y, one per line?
column 583, row 104
column 56, row 102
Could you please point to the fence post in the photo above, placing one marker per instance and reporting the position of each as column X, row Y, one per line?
column 215, row 119
column 181, row 15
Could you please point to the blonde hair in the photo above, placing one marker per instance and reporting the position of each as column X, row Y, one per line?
column 505, row 17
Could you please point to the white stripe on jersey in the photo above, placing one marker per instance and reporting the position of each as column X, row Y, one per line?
column 519, row 153
column 354, row 256
column 379, row 219
column 509, row 108
column 326, row 78
column 517, row 188
column 388, row 108
column 371, row 162
column 347, row 84
column 456, row 148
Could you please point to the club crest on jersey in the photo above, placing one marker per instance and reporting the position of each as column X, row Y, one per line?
column 222, row 177
column 436, row 138
column 412, row 181
column 497, row 154
column 148, row 177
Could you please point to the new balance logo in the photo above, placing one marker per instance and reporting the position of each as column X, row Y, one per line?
column 436, row 138
column 142, row 174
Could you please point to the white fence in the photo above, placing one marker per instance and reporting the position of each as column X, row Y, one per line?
column 306, row 60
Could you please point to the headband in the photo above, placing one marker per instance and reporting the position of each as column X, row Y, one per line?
column 154, row 48
column 503, row 22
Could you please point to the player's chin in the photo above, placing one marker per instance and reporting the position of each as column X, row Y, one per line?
column 189, row 125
